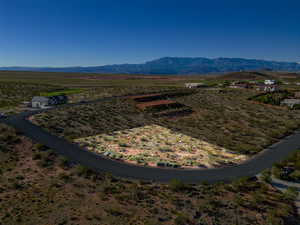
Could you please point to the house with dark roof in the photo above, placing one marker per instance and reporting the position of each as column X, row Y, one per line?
column 58, row 99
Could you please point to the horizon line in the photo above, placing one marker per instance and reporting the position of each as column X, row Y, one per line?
column 98, row 65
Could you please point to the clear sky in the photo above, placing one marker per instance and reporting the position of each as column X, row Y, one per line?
column 95, row 32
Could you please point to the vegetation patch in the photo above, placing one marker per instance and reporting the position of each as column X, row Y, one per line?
column 62, row 92
column 223, row 118
column 13, row 93
column 228, row 119
column 159, row 105
column 92, row 119
column 95, row 93
column 272, row 98
column 288, row 169
column 160, row 96
column 49, row 190
column 158, row 146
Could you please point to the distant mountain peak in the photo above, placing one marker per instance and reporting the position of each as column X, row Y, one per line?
column 177, row 65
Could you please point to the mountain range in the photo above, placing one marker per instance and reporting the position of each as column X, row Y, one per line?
column 175, row 65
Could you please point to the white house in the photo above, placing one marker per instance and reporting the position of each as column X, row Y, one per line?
column 194, row 85
column 43, row 102
column 270, row 82
column 40, row 102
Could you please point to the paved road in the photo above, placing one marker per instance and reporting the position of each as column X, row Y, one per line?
column 262, row 161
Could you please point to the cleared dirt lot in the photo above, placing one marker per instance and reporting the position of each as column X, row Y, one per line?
column 154, row 145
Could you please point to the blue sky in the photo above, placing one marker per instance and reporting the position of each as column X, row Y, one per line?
column 95, row 32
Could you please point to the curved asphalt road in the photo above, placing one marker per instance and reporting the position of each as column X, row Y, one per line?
column 98, row 163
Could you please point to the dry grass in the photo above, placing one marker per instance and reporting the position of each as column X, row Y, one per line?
column 227, row 118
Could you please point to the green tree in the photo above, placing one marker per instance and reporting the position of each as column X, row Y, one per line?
column 266, row 176
column 291, row 193
column 177, row 185
column 181, row 220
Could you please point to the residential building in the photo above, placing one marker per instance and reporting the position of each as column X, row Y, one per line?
column 270, row 82
column 195, row 85
column 290, row 102
column 58, row 99
column 40, row 102
column 267, row 88
column 43, row 102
